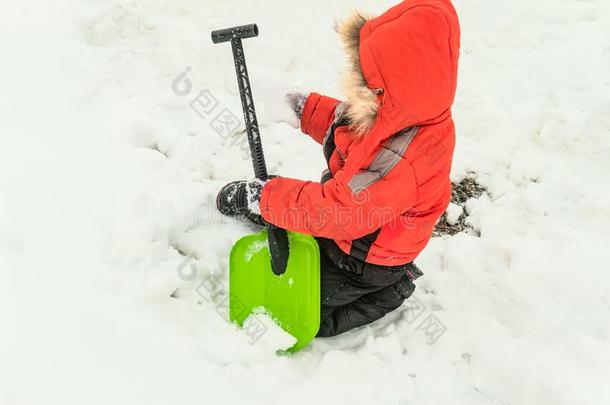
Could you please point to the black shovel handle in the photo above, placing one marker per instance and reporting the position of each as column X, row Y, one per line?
column 226, row 35
column 235, row 35
column 278, row 238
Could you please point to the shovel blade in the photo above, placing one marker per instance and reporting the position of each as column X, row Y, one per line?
column 291, row 299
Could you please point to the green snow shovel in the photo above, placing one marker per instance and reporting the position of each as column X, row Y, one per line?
column 275, row 270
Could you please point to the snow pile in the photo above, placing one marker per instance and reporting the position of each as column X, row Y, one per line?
column 121, row 120
column 274, row 338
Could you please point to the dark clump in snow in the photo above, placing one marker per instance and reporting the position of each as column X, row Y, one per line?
column 461, row 193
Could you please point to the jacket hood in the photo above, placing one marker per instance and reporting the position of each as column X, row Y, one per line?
column 403, row 66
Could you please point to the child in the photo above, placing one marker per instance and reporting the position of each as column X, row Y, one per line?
column 388, row 147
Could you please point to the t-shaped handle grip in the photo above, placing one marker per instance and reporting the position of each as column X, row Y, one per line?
column 241, row 32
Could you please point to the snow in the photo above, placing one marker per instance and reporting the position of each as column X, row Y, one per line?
column 109, row 175
column 254, row 248
column 253, row 191
column 454, row 212
column 275, row 337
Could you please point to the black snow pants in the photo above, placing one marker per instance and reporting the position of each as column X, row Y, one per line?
column 355, row 293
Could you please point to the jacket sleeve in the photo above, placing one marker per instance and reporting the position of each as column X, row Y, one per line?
column 341, row 208
column 318, row 115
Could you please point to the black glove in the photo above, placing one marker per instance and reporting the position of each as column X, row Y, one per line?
column 241, row 198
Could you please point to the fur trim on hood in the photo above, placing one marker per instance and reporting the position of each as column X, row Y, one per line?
column 362, row 103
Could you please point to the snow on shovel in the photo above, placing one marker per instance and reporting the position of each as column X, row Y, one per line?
column 274, row 270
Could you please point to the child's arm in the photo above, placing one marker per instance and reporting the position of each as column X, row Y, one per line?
column 342, row 208
column 318, row 115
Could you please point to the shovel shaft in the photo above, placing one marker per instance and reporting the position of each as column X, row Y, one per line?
column 247, row 103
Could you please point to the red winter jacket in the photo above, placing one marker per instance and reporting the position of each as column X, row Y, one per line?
column 389, row 146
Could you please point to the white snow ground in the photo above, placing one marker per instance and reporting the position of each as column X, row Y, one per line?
column 104, row 171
